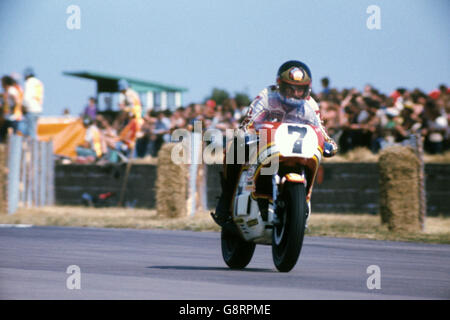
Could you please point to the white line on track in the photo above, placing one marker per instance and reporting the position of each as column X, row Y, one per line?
column 16, row 225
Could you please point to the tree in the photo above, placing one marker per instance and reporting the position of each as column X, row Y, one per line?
column 219, row 95
column 242, row 99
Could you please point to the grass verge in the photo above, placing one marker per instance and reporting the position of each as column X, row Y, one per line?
column 360, row 226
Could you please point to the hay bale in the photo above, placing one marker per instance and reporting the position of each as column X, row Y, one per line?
column 399, row 189
column 171, row 185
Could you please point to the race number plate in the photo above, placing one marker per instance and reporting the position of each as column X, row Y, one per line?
column 296, row 140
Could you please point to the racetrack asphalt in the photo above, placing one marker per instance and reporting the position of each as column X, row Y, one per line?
column 173, row 265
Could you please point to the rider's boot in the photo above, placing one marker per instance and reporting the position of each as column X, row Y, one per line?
column 223, row 215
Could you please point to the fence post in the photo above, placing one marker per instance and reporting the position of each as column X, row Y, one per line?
column 35, row 172
column 3, row 178
column 29, row 174
column 43, row 173
column 422, row 190
column 196, row 152
column 14, row 157
column 50, row 174
column 23, row 173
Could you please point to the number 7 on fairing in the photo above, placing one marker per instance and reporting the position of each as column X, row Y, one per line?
column 298, row 143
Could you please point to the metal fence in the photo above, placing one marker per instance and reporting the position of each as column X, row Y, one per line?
column 30, row 173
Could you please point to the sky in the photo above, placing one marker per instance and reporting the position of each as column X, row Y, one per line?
column 236, row 45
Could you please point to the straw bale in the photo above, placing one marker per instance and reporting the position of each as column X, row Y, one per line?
column 399, row 188
column 171, row 184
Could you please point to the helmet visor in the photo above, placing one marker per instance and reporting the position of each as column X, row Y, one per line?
column 294, row 91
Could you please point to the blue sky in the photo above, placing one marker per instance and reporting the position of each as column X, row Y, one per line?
column 236, row 45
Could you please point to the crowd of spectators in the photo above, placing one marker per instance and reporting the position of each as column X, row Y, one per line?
column 369, row 119
column 374, row 120
column 20, row 104
column 114, row 137
column 353, row 118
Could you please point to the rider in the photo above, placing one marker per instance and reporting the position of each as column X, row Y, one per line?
column 291, row 95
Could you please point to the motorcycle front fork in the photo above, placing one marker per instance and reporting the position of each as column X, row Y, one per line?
column 274, row 216
column 277, row 205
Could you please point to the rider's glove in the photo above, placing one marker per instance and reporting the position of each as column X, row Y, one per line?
column 330, row 149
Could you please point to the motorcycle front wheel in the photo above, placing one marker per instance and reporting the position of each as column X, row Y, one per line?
column 236, row 252
column 287, row 238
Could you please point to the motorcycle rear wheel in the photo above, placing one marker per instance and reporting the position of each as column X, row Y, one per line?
column 287, row 239
column 236, row 252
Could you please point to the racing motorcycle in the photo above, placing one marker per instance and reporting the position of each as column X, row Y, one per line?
column 270, row 203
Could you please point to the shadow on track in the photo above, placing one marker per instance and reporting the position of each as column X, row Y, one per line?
column 197, row 268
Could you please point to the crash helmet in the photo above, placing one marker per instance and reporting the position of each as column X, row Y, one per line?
column 294, row 81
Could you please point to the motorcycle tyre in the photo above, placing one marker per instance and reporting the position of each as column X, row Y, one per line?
column 286, row 254
column 236, row 252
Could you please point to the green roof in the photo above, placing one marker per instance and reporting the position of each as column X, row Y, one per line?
column 108, row 83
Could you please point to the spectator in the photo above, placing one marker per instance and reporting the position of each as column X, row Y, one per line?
column 110, row 139
column 66, row 112
column 32, row 102
column 325, row 86
column 143, row 142
column 390, row 130
column 411, row 123
column 129, row 101
column 12, row 114
column 108, row 132
column 209, row 117
column 435, row 127
column 441, row 91
column 188, row 114
column 131, row 114
column 331, row 116
column 161, row 132
column 177, row 119
column 349, row 122
column 93, row 146
column 90, row 110
column 418, row 100
column 127, row 138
